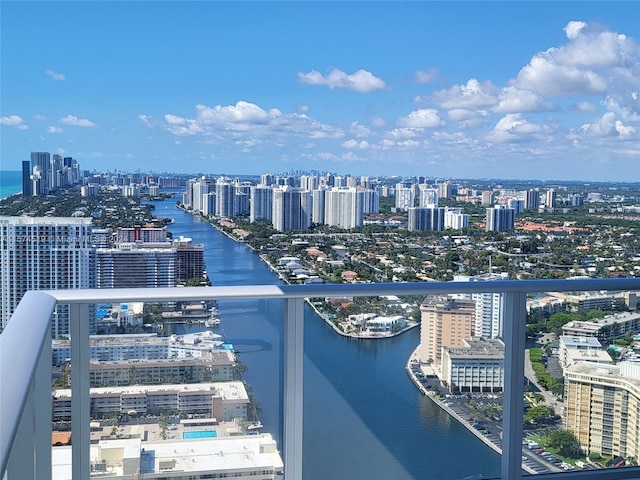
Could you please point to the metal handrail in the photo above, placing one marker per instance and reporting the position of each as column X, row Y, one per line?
column 23, row 339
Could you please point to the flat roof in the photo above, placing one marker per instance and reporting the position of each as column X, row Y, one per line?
column 228, row 390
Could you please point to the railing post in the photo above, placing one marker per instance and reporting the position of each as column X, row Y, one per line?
column 293, row 397
column 42, row 403
column 80, row 400
column 514, row 335
column 22, row 460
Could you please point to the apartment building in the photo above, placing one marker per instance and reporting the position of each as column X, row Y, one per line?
column 45, row 253
column 603, row 407
column 217, row 366
column 148, row 346
column 223, row 401
column 446, row 322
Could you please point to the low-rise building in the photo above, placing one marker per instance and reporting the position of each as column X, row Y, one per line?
column 477, row 366
column 223, row 401
column 217, row 365
column 110, row 348
column 571, row 343
column 386, row 324
column 254, row 457
column 605, row 329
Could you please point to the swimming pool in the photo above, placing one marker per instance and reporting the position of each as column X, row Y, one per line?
column 199, row 434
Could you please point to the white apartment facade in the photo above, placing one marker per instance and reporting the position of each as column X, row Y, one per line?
column 224, row 401
column 45, row 253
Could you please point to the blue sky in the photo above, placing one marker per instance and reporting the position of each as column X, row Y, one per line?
column 529, row 90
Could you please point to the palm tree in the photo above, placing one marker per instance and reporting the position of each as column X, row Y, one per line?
column 253, row 409
column 238, row 369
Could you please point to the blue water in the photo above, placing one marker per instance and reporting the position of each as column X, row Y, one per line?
column 10, row 183
column 363, row 418
column 199, row 434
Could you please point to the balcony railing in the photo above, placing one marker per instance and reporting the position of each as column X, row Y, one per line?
column 25, row 364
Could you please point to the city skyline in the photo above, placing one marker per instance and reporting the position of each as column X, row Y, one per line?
column 523, row 90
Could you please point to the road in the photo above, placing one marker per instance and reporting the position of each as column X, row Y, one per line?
column 550, row 399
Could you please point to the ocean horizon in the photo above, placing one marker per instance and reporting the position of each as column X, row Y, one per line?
column 10, row 182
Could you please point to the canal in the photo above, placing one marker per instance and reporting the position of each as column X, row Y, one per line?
column 363, row 418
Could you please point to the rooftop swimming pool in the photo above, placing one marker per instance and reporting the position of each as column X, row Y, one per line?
column 199, row 434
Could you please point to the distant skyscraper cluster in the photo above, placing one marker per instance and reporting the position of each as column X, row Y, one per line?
column 288, row 203
column 45, row 173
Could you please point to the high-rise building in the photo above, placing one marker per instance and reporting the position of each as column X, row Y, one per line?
column 309, row 182
column 550, row 198
column 261, row 203
column 141, row 234
column 371, row 201
column 344, row 207
column 500, row 219
column 405, row 197
column 531, row 199
column 426, row 219
column 45, row 253
column 446, row 322
column 317, row 199
column 428, row 197
column 225, row 198
column 489, row 313
column 291, row 209
column 267, row 179
column 40, row 168
column 603, row 408
column 189, row 260
column 200, row 188
column 26, row 178
column 454, row 219
column 445, row 190
column 133, row 266
column 487, row 197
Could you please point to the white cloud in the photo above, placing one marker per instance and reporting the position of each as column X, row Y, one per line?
column 401, row 133
column 583, row 107
column 470, row 96
column 514, row 100
column 608, row 126
column 352, row 157
column 592, row 62
column 378, row 122
column 39, row 117
column 245, row 120
column 326, row 156
column 421, row 118
column 14, row 121
column 426, row 76
column 354, row 144
column 56, row 76
column 77, row 122
column 513, row 128
column 54, row 129
column 361, row 81
column 359, row 130
column 468, row 118
column 573, row 29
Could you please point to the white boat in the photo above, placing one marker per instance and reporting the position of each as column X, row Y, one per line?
column 212, row 322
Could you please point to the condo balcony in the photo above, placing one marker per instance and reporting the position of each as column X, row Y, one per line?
column 25, row 368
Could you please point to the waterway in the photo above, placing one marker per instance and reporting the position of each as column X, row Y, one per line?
column 363, row 418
